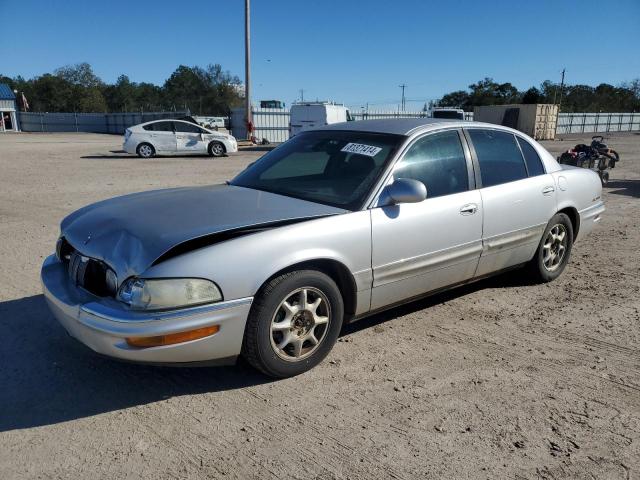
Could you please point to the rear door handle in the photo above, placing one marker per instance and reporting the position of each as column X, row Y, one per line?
column 468, row 209
column 548, row 190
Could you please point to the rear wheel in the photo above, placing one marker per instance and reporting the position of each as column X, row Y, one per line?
column 554, row 249
column 294, row 322
column 145, row 150
column 216, row 149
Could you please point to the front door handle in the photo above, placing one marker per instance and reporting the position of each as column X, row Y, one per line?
column 548, row 190
column 468, row 209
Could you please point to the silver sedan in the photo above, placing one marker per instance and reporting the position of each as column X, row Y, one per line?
column 329, row 227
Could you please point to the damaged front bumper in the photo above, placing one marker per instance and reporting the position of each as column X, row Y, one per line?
column 103, row 324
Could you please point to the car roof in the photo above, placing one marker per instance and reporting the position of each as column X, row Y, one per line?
column 407, row 126
column 172, row 120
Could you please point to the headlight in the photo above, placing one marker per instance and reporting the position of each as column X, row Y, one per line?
column 161, row 294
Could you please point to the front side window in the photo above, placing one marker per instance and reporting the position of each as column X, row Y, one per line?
column 498, row 155
column 438, row 161
column 531, row 157
column 336, row 168
column 184, row 127
column 159, row 127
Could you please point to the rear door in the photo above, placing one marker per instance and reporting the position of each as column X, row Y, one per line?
column 161, row 136
column 420, row 247
column 190, row 138
column 518, row 197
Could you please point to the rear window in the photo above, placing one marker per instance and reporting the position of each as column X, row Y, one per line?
column 534, row 164
column 159, row 127
column 498, row 155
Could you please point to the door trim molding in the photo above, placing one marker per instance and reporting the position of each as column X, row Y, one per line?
column 422, row 264
column 513, row 239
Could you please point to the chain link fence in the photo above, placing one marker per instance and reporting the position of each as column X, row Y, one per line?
column 114, row 123
column 597, row 122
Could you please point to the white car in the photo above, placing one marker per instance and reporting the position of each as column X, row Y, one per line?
column 176, row 137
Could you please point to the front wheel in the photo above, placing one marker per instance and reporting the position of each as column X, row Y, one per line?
column 554, row 249
column 216, row 149
column 293, row 324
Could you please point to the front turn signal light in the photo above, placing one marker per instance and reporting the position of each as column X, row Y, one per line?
column 173, row 338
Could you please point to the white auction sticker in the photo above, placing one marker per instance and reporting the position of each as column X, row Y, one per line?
column 359, row 148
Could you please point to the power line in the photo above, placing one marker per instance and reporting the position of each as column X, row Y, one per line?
column 403, row 86
column 561, row 90
column 247, row 68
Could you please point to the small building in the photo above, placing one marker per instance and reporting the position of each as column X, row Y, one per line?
column 8, row 109
column 536, row 120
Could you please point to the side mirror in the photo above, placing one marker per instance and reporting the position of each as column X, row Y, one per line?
column 404, row 190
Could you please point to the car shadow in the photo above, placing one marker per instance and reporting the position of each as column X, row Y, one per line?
column 108, row 157
column 630, row 188
column 135, row 157
column 509, row 279
column 47, row 377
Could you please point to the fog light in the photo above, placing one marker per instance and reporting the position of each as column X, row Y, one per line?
column 173, row 338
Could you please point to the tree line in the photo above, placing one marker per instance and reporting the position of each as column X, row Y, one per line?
column 573, row 98
column 76, row 88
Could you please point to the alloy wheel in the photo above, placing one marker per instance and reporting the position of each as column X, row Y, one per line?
column 300, row 323
column 217, row 149
column 145, row 150
column 554, row 247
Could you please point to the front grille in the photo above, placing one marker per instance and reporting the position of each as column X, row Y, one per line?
column 85, row 272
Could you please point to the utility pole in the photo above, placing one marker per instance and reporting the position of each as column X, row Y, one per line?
column 561, row 90
column 403, row 86
column 247, row 69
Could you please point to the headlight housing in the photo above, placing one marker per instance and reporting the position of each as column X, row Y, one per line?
column 167, row 293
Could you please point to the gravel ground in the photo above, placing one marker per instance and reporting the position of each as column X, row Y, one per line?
column 499, row 379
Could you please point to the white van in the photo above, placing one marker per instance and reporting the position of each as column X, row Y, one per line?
column 316, row 114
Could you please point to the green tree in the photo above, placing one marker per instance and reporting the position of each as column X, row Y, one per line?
column 532, row 95
column 459, row 98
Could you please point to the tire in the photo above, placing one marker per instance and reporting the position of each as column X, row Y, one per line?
column 216, row 149
column 550, row 259
column 604, row 178
column 145, row 150
column 277, row 338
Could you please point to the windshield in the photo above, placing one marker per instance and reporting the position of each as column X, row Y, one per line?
column 337, row 168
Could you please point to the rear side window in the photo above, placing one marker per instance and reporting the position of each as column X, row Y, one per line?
column 438, row 161
column 499, row 157
column 534, row 164
column 159, row 127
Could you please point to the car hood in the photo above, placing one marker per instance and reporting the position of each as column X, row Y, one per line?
column 130, row 232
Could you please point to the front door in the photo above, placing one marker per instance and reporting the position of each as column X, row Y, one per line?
column 518, row 198
column 189, row 138
column 421, row 247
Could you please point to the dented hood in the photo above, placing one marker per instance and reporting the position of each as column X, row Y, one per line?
column 129, row 233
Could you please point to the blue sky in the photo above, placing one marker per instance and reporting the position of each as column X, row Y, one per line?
column 348, row 51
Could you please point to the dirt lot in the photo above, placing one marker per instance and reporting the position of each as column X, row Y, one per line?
column 499, row 379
